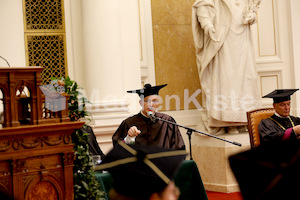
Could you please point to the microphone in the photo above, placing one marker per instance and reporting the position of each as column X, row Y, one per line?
column 152, row 117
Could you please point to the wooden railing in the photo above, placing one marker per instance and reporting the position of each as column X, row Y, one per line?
column 24, row 102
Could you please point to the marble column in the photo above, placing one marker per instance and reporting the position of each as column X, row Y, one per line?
column 102, row 48
column 111, row 61
column 295, row 15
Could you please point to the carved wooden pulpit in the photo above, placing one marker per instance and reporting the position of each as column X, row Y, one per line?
column 36, row 149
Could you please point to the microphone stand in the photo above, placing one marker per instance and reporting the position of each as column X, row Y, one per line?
column 5, row 61
column 190, row 131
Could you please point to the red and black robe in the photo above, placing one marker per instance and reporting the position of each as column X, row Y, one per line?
column 276, row 129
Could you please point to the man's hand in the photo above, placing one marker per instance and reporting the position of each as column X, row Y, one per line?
column 133, row 131
column 297, row 131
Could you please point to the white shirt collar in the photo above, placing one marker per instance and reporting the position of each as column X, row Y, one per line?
column 144, row 114
column 278, row 115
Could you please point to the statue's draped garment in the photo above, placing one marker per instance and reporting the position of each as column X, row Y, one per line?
column 226, row 68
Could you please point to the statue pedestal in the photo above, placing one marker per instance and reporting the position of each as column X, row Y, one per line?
column 211, row 156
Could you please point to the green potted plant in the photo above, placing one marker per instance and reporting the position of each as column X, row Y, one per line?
column 85, row 184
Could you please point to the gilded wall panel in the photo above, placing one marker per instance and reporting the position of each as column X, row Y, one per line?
column 174, row 53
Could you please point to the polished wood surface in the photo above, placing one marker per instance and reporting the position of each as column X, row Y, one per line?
column 37, row 157
column 26, row 107
column 36, row 149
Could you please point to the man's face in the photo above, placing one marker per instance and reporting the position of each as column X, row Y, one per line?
column 283, row 108
column 171, row 192
column 150, row 103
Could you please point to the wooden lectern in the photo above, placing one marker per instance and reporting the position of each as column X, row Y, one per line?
column 36, row 149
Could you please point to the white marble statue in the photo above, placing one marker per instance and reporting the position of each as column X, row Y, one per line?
column 226, row 61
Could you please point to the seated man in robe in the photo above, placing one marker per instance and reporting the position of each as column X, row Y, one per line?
column 144, row 128
column 281, row 126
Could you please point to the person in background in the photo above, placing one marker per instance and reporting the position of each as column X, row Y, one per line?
column 142, row 172
column 144, row 128
column 94, row 147
column 281, row 126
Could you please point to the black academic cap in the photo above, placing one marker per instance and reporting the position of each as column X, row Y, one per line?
column 268, row 172
column 281, row 95
column 147, row 90
column 139, row 171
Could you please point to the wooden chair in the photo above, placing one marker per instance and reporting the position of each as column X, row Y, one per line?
column 254, row 117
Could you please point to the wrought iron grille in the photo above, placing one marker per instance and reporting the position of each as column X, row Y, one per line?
column 48, row 52
column 45, row 41
column 43, row 14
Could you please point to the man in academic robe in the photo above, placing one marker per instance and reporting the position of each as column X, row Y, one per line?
column 281, row 126
column 144, row 128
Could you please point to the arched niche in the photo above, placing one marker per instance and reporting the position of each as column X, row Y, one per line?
column 2, row 115
column 4, row 193
column 44, row 187
column 24, row 104
column 4, row 106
